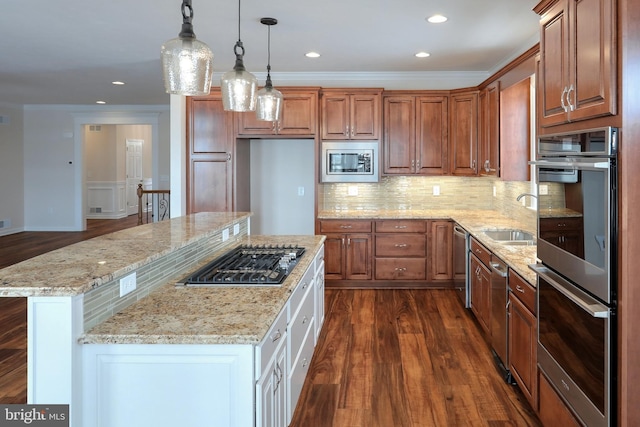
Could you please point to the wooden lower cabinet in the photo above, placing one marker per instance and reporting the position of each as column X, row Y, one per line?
column 348, row 249
column 523, row 337
column 388, row 253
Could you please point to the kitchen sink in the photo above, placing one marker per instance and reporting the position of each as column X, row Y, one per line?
column 511, row 237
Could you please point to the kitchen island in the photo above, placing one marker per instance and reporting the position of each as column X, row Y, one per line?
column 161, row 354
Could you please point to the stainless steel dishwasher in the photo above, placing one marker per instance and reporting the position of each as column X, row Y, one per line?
column 499, row 323
column 461, row 264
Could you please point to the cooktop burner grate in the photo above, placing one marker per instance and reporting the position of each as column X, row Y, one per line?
column 259, row 265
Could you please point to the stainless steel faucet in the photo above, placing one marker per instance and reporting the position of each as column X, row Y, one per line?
column 525, row 194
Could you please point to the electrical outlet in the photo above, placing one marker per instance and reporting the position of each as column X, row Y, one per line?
column 236, row 229
column 436, row 190
column 544, row 189
column 352, row 190
column 495, row 192
column 300, row 191
column 128, row 284
column 225, row 234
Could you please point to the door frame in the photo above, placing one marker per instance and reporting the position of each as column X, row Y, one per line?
column 106, row 118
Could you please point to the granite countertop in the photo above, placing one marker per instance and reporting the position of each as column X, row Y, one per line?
column 211, row 315
column 474, row 221
column 78, row 268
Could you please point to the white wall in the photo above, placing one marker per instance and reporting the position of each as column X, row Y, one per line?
column 53, row 175
column 11, row 171
column 279, row 167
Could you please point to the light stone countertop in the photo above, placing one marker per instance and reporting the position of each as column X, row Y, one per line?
column 80, row 267
column 474, row 221
column 206, row 315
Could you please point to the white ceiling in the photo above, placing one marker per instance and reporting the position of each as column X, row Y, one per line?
column 69, row 51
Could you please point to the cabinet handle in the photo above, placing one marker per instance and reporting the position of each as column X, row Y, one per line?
column 273, row 127
column 519, row 289
column 305, row 362
column 417, row 165
column 571, row 106
column 478, row 251
column 346, row 131
column 304, row 319
column 401, row 268
column 275, row 337
column 346, row 226
column 349, row 241
column 304, row 285
column 562, row 103
column 343, row 241
column 352, row 132
column 400, row 227
column 228, row 157
column 401, row 245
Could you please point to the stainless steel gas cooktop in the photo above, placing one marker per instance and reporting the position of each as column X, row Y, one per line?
column 257, row 265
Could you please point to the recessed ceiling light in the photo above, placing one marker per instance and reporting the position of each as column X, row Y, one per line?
column 437, row 19
column 312, row 55
column 422, row 54
column 117, row 83
column 101, row 102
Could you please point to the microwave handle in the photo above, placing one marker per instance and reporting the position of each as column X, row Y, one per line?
column 592, row 307
column 570, row 165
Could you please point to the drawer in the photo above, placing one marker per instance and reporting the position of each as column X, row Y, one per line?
column 299, row 370
column 521, row 289
column 299, row 292
column 267, row 347
column 401, row 268
column 401, row 226
column 401, row 245
column 481, row 252
column 300, row 324
column 347, row 226
column 559, row 224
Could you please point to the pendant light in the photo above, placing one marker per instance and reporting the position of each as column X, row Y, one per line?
column 238, row 85
column 187, row 63
column 269, row 100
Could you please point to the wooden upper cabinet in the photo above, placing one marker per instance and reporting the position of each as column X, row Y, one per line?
column 210, row 152
column 489, row 131
column 415, row 134
column 463, row 133
column 515, row 131
column 578, row 71
column 352, row 114
column 298, row 116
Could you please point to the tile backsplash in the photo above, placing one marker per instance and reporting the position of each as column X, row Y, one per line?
column 438, row 192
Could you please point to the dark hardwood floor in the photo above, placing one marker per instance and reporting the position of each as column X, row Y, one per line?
column 405, row 358
column 15, row 248
column 385, row 358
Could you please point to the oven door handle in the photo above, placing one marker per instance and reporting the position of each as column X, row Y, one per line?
column 591, row 306
column 570, row 165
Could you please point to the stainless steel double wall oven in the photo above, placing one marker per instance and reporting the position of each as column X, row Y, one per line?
column 577, row 277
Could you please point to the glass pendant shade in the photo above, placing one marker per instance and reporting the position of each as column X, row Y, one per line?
column 268, row 104
column 238, row 90
column 187, row 66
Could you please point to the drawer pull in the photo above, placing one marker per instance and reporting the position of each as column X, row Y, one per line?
column 401, row 245
column 401, row 268
column 345, row 226
column 519, row 289
column 304, row 320
column 305, row 362
column 304, row 285
column 276, row 336
column 400, row 227
column 479, row 251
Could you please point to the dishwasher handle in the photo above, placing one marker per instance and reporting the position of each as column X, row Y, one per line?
column 499, row 268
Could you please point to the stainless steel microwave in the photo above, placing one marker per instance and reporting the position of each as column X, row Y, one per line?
column 346, row 161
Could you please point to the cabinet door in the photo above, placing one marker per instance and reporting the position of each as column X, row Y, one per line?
column 515, row 131
column 522, row 348
column 335, row 116
column 271, row 392
column 431, row 137
column 358, row 257
column 441, row 257
column 398, row 143
column 489, row 131
column 554, row 64
column 364, row 116
column 248, row 124
column 334, row 256
column 463, row 133
column 593, row 58
column 480, row 292
column 552, row 410
column 210, row 143
column 299, row 114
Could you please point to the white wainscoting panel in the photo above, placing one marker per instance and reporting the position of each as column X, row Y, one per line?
column 106, row 199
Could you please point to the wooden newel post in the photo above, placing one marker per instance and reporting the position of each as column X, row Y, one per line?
column 139, row 191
